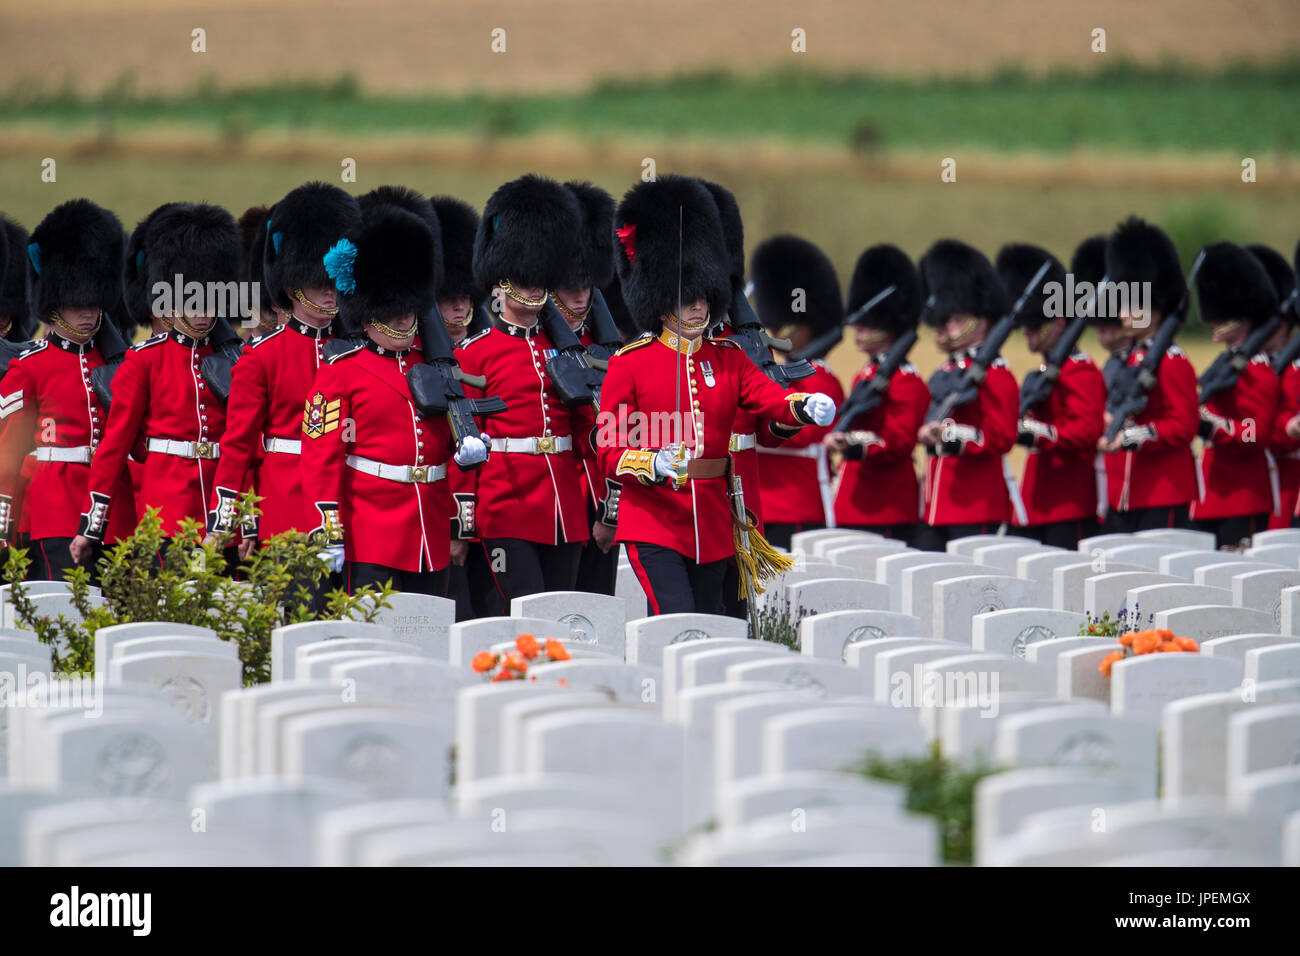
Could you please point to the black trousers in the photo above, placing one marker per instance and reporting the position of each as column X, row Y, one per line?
column 1229, row 532
column 52, row 557
column 597, row 569
column 526, row 567
column 733, row 605
column 1058, row 534
column 1146, row 519
column 358, row 574
column 674, row 583
column 898, row 532
column 929, row 537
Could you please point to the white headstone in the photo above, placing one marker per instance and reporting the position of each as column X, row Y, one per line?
column 966, row 546
column 285, row 640
column 1108, row 593
column 420, row 619
column 1203, row 622
column 1273, row 662
column 1152, row 599
column 1142, row 685
column 1067, row 580
column 837, row 739
column 1147, row 555
column 1006, row 556
column 1262, row 591
column 823, row 595
column 828, row 636
column 918, row 588
column 479, row 731
column 1012, row 630
column 1038, row 568
column 592, row 618
column 107, row 637
column 958, row 600
column 648, row 636
column 1263, row 738
column 824, row 679
column 1065, row 737
column 1287, row 555
column 1183, row 564
column 388, row 754
column 193, row 683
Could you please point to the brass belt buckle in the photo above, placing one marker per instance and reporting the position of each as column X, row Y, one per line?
column 203, row 449
column 419, row 473
column 546, row 445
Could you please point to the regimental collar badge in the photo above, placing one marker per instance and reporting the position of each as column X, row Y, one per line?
column 380, row 350
column 688, row 346
column 81, row 348
column 519, row 331
column 320, row 417
column 302, row 328
column 181, row 338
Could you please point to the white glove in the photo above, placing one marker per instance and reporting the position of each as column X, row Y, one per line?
column 472, row 451
column 667, row 466
column 820, row 408
column 332, row 556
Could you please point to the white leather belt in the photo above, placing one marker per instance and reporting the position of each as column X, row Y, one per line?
column 808, row 451
column 742, row 442
column 533, row 446
column 407, row 474
column 81, row 454
column 185, row 449
column 282, row 446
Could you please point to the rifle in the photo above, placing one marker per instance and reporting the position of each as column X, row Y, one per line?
column 10, row 351
column 436, row 383
column 868, row 394
column 1229, row 364
column 1038, row 384
column 1128, row 393
column 749, row 334
column 1291, row 351
column 217, row 367
column 577, row 379
column 606, row 339
column 960, row 387
column 113, row 348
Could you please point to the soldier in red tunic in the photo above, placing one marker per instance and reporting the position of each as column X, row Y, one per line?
column 373, row 467
column 1284, row 442
column 458, row 293
column 591, row 267
column 16, row 329
column 1150, row 470
column 966, row 478
column 1236, row 296
column 877, row 489
column 271, row 381
column 49, row 413
column 1059, row 487
column 670, row 397
column 797, row 296
column 161, row 394
column 525, row 504
column 252, row 229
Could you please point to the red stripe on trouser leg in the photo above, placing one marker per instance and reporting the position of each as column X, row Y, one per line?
column 635, row 560
column 493, row 571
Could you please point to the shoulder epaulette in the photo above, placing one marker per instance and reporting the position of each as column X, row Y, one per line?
column 1174, row 349
column 155, row 340
column 473, row 338
column 258, row 340
column 39, row 346
column 907, row 368
column 998, row 362
column 342, row 355
column 1259, row 358
column 727, row 342
column 645, row 338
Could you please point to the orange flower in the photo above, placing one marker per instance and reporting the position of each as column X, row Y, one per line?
column 1167, row 647
column 1187, row 644
column 503, row 674
column 1127, row 639
column 483, row 662
column 515, row 663
column 1165, row 634
column 555, row 650
column 527, row 645
column 1146, row 642
column 1108, row 662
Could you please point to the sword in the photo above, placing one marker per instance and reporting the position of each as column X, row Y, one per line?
column 680, row 480
column 747, row 580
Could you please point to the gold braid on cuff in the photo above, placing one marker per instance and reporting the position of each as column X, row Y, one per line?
column 796, row 409
column 638, row 462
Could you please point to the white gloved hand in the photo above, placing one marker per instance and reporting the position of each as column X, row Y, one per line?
column 472, row 451
column 820, row 408
column 667, row 466
column 332, row 556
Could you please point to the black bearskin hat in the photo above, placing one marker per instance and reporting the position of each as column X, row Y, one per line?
column 1140, row 252
column 646, row 224
column 459, row 224
column 1088, row 264
column 789, row 271
column 592, row 265
column 197, row 241
column 252, row 234
column 877, row 269
column 416, row 205
column 136, row 298
column 959, row 279
column 527, row 234
column 385, row 267
column 74, row 258
column 733, row 230
column 1281, row 274
column 304, row 224
column 13, row 280
column 1017, row 263
column 1232, row 284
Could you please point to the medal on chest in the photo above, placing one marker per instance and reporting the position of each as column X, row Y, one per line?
column 707, row 369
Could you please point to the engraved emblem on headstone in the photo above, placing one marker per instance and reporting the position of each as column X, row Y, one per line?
column 376, row 762
column 1085, row 749
column 868, row 632
column 990, row 599
column 580, row 628
column 1277, row 613
column 132, row 765
column 188, row 697
column 1035, row 632
column 805, row 683
column 690, row 635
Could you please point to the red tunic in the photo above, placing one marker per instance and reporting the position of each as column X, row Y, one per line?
column 638, row 402
column 792, row 471
column 1162, row 473
column 46, row 401
column 881, row 488
column 1234, row 463
column 159, row 393
column 360, row 405
column 971, row 488
column 517, row 494
column 269, row 386
column 1060, row 482
column 1286, row 450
